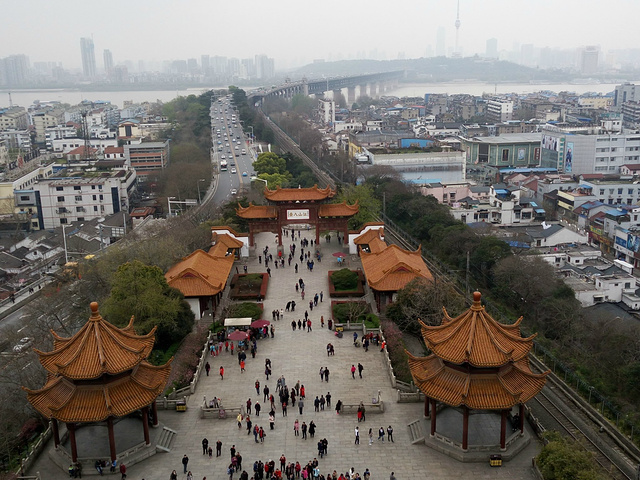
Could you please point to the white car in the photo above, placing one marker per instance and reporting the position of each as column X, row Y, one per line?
column 23, row 344
column 233, row 170
column 234, row 191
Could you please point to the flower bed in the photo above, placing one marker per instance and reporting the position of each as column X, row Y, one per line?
column 247, row 286
column 358, row 292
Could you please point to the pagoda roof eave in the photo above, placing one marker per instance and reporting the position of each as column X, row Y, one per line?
column 61, row 399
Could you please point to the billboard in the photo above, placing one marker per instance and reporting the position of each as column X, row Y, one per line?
column 520, row 154
column 568, row 157
column 550, row 142
column 633, row 243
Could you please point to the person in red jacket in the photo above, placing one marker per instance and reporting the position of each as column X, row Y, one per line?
column 222, row 373
column 123, row 471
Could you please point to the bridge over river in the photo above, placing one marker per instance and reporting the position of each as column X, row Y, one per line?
column 368, row 84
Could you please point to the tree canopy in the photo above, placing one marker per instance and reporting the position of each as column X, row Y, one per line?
column 141, row 290
column 369, row 205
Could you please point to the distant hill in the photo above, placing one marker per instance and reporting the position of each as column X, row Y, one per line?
column 437, row 69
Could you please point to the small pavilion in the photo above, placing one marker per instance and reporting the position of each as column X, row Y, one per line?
column 476, row 363
column 99, row 374
column 298, row 206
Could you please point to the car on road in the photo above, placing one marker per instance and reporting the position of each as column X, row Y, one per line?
column 234, row 191
column 244, row 152
column 244, row 174
column 222, row 157
column 23, row 344
column 233, row 170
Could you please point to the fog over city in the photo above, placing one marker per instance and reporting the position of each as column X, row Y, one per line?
column 295, row 33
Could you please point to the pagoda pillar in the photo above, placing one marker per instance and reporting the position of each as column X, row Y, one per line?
column 145, row 425
column 503, row 430
column 251, row 244
column 154, row 413
column 56, row 432
column 317, row 235
column 465, row 428
column 112, row 439
column 521, row 412
column 433, row 417
column 71, row 427
column 426, row 406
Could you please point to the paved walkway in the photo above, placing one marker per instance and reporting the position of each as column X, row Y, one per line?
column 298, row 355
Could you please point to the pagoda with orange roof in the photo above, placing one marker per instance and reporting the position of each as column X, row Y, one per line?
column 297, row 206
column 476, row 363
column 99, row 374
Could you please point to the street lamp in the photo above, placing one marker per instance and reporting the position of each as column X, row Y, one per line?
column 266, row 185
column 198, row 185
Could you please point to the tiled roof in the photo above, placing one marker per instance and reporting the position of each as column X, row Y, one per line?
column 257, row 211
column 392, row 268
column 474, row 337
column 369, row 235
column 227, row 240
column 298, row 194
column 98, row 348
column 480, row 390
column 111, row 149
column 338, row 210
column 200, row 274
column 65, row 401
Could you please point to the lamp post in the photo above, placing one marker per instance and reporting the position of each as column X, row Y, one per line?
column 266, row 185
column 198, row 185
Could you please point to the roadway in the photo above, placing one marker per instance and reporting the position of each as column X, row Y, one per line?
column 229, row 140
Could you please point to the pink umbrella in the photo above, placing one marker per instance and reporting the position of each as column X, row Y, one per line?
column 339, row 254
column 238, row 335
column 260, row 323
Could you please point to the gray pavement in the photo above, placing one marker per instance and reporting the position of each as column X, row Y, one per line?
column 298, row 355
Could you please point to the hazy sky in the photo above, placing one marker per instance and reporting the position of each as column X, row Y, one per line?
column 296, row 31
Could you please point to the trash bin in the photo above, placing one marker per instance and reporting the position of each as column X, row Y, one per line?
column 495, row 460
column 181, row 406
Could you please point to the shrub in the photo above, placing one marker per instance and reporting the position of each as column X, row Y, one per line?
column 562, row 459
column 396, row 348
column 245, row 309
column 372, row 320
column 350, row 311
column 345, row 279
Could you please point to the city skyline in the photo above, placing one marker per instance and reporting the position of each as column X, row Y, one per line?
column 170, row 31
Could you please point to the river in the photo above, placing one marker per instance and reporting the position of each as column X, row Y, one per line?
column 73, row 96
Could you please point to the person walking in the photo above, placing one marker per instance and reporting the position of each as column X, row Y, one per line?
column 265, row 391
column 222, row 372
column 218, row 448
column 328, row 398
column 173, row 476
column 296, row 428
column 316, row 404
column 248, row 406
column 207, row 368
column 257, row 408
column 239, row 420
column 353, row 371
column 390, row 434
column 360, row 369
column 370, row 436
column 338, row 407
column 312, row 429
column 304, row 431
column 242, row 364
column 381, row 434
column 272, row 421
column 300, row 405
column 123, row 471
column 185, row 461
column 302, row 392
column 357, row 441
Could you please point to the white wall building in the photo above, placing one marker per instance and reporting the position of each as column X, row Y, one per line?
column 499, row 111
column 70, row 199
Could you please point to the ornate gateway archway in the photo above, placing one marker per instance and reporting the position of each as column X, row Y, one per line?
column 298, row 206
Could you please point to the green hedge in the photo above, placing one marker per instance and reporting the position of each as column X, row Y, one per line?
column 245, row 309
column 344, row 279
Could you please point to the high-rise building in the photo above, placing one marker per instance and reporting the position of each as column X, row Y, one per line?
column 440, row 42
column 14, row 70
column 88, row 57
column 264, row 67
column 589, row 60
column 107, row 57
column 204, row 64
column 627, row 92
column 492, row 48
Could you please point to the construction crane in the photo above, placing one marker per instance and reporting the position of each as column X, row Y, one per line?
column 88, row 155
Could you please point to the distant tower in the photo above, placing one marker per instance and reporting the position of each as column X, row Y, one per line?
column 107, row 57
column 456, row 52
column 88, row 57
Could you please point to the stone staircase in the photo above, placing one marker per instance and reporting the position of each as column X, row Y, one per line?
column 165, row 438
column 416, row 433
